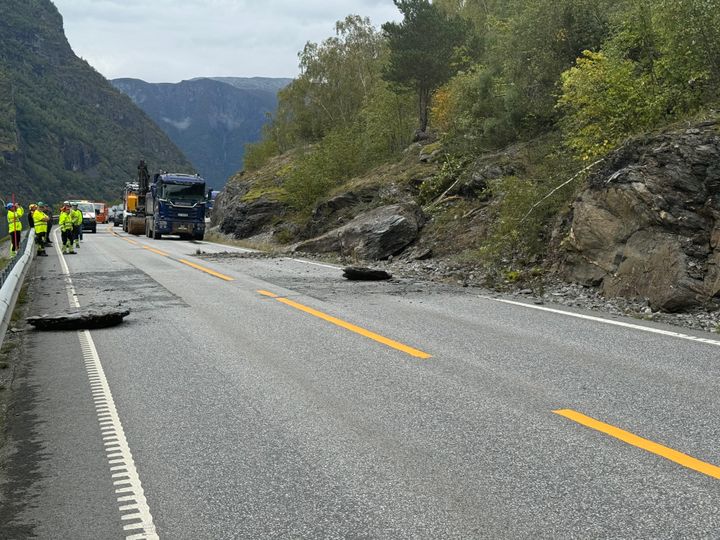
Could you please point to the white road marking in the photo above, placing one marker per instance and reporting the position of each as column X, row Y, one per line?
column 316, row 264
column 608, row 321
column 117, row 449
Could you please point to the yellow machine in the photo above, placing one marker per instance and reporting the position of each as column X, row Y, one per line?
column 130, row 208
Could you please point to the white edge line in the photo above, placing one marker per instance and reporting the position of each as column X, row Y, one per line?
column 315, row 263
column 608, row 321
column 118, row 453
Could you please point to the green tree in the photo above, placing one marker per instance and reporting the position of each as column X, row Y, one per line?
column 423, row 50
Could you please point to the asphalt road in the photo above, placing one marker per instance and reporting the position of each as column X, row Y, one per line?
column 269, row 398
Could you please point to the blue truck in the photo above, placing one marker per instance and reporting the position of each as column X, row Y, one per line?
column 175, row 204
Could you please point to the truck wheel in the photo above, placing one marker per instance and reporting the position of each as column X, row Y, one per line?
column 199, row 237
column 94, row 229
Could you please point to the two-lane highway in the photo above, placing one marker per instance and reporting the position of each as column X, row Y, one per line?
column 257, row 397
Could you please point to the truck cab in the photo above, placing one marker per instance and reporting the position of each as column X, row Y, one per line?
column 175, row 204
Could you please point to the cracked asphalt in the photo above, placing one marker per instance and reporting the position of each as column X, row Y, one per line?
column 256, row 416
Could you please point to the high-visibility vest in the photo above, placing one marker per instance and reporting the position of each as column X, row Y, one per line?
column 39, row 218
column 14, row 223
column 77, row 217
column 66, row 221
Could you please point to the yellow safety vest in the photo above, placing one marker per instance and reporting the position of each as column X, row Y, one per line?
column 39, row 218
column 77, row 217
column 14, row 223
column 66, row 221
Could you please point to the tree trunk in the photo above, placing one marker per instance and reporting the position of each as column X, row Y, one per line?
column 424, row 95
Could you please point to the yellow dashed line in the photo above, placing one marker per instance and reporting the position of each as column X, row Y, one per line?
column 645, row 444
column 206, row 270
column 349, row 326
column 156, row 251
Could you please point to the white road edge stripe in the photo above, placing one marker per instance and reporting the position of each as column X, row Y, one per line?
column 315, row 263
column 608, row 321
column 134, row 505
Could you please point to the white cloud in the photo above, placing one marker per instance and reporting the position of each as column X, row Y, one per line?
column 172, row 40
column 181, row 125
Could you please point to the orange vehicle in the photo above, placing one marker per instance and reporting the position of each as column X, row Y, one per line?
column 101, row 212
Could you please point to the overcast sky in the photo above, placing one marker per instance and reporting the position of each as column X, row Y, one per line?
column 173, row 40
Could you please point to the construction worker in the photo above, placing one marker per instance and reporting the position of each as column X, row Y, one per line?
column 31, row 209
column 77, row 218
column 40, row 220
column 66, row 230
column 14, row 213
column 49, row 214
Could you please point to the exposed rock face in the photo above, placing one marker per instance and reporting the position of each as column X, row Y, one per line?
column 337, row 210
column 374, row 235
column 242, row 218
column 649, row 223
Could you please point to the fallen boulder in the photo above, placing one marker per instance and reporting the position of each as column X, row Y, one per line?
column 84, row 319
column 374, row 235
column 357, row 273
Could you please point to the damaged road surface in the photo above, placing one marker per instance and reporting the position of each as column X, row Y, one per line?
column 89, row 318
column 261, row 397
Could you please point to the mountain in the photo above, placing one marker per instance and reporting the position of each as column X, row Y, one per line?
column 65, row 131
column 268, row 84
column 211, row 120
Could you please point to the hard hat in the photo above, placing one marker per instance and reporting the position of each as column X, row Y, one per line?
column 40, row 203
column 9, row 205
column 74, row 203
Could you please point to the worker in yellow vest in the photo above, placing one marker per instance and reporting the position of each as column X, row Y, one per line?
column 66, row 230
column 40, row 219
column 77, row 219
column 14, row 214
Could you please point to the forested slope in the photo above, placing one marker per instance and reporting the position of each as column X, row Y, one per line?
column 64, row 130
column 513, row 105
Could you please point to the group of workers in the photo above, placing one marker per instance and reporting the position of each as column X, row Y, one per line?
column 40, row 218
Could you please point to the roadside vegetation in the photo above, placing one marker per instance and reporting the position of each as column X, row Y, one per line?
column 546, row 87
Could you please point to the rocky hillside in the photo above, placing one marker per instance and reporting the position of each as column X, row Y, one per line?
column 646, row 223
column 64, row 130
column 211, row 120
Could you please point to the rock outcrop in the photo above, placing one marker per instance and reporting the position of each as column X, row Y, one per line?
column 243, row 217
column 648, row 225
column 373, row 235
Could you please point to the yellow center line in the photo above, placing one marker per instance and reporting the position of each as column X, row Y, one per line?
column 156, row 251
column 206, row 270
column 183, row 261
column 349, row 326
column 645, row 444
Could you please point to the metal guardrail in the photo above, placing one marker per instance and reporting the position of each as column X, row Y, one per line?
column 5, row 272
column 13, row 277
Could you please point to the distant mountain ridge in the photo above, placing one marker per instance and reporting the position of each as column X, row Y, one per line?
column 210, row 119
column 269, row 84
column 64, row 130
